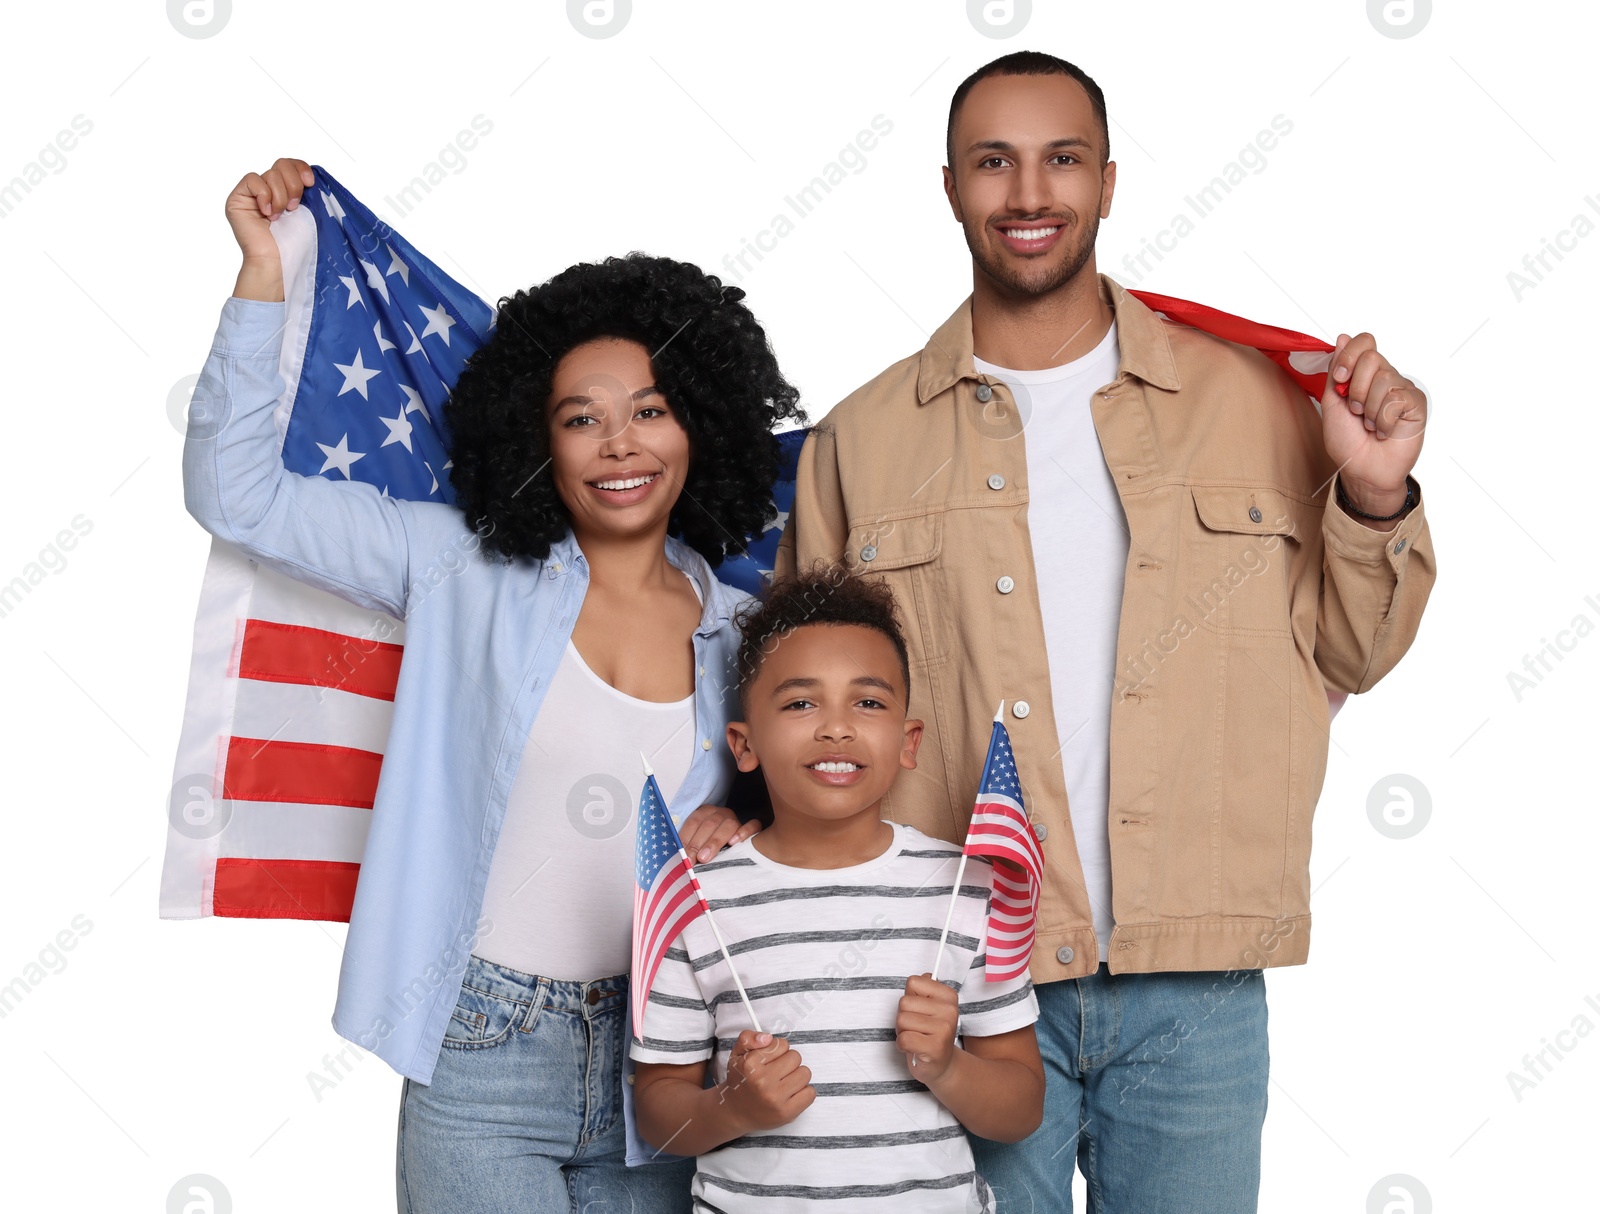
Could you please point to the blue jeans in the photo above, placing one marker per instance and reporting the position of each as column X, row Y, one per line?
column 525, row 1108
column 1156, row 1084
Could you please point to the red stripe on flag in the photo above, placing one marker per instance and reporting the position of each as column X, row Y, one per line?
column 284, row 889
column 301, row 773
column 292, row 653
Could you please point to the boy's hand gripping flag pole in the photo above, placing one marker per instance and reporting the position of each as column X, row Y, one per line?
column 1000, row 830
column 666, row 896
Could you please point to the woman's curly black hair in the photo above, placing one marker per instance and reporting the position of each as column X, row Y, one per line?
column 711, row 359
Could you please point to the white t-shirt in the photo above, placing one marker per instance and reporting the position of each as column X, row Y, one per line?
column 560, row 890
column 1080, row 554
column 824, row 955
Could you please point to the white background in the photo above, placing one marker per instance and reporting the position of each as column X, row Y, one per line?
column 1418, row 174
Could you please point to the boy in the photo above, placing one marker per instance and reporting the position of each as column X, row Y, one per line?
column 856, row 1095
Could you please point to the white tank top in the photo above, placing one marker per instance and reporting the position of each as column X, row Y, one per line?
column 560, row 891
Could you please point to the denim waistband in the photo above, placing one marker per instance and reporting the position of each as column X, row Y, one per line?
column 561, row 995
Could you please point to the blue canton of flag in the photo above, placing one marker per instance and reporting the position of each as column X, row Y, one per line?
column 386, row 337
column 752, row 570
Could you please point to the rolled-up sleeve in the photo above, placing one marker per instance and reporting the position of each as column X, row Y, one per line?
column 1374, row 587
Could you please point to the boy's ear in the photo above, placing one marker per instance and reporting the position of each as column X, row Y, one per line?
column 909, row 744
column 739, row 742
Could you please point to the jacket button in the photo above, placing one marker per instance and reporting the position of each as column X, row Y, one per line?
column 985, row 392
column 1255, row 514
column 630, row 1081
column 869, row 552
column 1005, row 585
column 705, row 743
column 996, row 481
column 1040, row 831
column 1065, row 955
column 1020, row 709
column 1399, row 547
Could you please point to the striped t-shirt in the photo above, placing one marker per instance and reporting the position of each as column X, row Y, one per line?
column 824, row 955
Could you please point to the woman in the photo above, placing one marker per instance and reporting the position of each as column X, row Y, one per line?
column 609, row 444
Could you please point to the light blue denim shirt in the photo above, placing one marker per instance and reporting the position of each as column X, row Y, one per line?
column 483, row 640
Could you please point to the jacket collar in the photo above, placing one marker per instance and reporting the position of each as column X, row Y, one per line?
column 716, row 604
column 1146, row 353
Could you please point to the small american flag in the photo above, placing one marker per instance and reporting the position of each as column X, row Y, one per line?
column 666, row 895
column 1000, row 830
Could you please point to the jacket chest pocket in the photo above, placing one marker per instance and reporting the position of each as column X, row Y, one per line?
column 904, row 552
column 1236, row 553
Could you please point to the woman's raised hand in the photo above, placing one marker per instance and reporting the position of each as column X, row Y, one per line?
column 255, row 202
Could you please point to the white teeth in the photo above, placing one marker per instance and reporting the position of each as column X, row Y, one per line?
column 1032, row 233
column 833, row 767
column 632, row 483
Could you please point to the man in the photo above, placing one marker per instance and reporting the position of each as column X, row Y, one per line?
column 1152, row 547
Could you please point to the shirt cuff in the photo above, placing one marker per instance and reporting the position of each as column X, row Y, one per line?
column 676, row 1053
column 1344, row 535
column 1004, row 1020
column 250, row 328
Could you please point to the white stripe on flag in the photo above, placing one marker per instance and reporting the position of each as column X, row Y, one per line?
column 295, row 712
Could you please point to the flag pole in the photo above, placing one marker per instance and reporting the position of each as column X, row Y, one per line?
column 960, row 872
column 649, row 774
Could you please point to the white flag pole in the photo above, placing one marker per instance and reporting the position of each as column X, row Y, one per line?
column 956, row 891
column 723, row 944
column 649, row 774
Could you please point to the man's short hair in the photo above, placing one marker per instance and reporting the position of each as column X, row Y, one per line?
column 1029, row 63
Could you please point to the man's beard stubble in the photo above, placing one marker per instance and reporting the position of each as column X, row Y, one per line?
column 1006, row 276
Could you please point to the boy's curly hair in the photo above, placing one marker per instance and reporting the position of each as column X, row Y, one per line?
column 824, row 594
column 711, row 359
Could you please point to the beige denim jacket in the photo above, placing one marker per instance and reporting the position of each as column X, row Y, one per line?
column 1248, row 595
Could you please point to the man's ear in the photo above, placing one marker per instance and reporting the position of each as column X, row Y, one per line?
column 950, row 193
column 739, row 742
column 909, row 744
column 1108, row 187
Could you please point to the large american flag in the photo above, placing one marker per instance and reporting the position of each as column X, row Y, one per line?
column 1001, row 831
column 291, row 689
column 666, row 894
